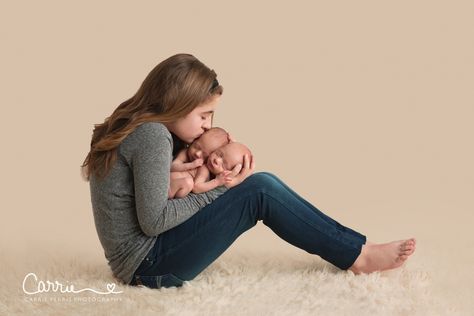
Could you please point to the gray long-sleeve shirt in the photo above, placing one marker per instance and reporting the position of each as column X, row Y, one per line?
column 131, row 206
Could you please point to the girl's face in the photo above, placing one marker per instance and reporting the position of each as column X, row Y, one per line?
column 194, row 124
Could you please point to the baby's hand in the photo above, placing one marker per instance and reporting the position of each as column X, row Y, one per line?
column 194, row 164
column 223, row 177
column 197, row 162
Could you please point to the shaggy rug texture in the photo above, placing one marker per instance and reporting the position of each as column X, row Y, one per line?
column 235, row 284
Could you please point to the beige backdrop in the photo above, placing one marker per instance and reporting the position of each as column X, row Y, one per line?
column 364, row 108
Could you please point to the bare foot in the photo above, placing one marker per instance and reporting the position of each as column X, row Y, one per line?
column 380, row 257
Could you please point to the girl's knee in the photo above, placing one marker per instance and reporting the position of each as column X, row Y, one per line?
column 261, row 176
column 265, row 181
column 266, row 173
column 267, row 176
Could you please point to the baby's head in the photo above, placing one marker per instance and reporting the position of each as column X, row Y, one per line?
column 207, row 143
column 227, row 157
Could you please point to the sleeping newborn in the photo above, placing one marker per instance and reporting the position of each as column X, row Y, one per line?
column 186, row 164
column 222, row 155
column 225, row 158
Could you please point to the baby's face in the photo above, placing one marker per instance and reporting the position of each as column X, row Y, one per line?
column 207, row 143
column 227, row 157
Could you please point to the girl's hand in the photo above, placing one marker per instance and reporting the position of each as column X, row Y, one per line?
column 231, row 139
column 240, row 173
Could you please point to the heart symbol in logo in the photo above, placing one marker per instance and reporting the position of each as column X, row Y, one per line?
column 110, row 287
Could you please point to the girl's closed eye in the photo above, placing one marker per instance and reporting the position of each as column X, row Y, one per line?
column 206, row 115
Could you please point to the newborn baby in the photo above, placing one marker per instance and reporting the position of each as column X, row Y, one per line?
column 225, row 158
column 185, row 167
column 221, row 160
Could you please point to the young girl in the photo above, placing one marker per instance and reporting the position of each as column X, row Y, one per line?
column 154, row 241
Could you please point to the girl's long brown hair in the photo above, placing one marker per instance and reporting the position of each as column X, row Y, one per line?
column 170, row 91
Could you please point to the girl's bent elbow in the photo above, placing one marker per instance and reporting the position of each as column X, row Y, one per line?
column 149, row 232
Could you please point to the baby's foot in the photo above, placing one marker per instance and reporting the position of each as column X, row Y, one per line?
column 380, row 257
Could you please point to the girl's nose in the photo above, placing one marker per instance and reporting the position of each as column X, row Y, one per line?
column 207, row 124
column 198, row 154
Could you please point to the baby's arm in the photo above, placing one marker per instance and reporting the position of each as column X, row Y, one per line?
column 180, row 163
column 202, row 184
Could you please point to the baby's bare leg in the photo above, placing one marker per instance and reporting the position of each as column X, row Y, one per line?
column 179, row 186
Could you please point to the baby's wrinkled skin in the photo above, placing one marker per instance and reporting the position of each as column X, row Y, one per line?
column 188, row 172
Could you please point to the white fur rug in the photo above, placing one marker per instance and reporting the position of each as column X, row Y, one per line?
column 235, row 284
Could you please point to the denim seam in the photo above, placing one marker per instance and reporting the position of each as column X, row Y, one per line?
column 302, row 219
column 304, row 201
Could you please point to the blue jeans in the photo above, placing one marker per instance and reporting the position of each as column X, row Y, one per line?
column 182, row 252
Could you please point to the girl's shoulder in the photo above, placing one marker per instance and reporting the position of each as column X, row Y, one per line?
column 152, row 128
column 149, row 131
column 146, row 133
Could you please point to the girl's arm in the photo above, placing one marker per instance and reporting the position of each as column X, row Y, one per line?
column 149, row 153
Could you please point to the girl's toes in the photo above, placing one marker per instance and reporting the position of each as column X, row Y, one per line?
column 407, row 248
column 402, row 257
